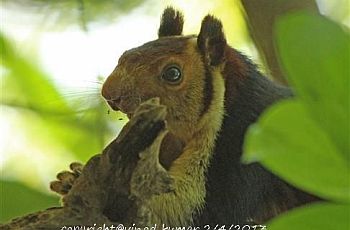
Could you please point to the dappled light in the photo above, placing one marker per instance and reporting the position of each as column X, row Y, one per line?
column 55, row 56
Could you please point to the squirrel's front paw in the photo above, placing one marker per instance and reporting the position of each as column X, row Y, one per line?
column 66, row 179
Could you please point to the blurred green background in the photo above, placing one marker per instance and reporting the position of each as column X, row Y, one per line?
column 54, row 58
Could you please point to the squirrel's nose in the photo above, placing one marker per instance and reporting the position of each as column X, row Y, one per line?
column 111, row 95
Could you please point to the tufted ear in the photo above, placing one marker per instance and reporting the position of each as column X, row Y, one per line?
column 171, row 23
column 211, row 40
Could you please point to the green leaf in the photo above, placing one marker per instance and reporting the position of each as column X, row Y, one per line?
column 75, row 12
column 30, row 91
column 17, row 200
column 288, row 142
column 26, row 84
column 317, row 216
column 315, row 53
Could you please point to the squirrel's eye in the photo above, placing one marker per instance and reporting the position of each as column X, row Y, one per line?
column 172, row 75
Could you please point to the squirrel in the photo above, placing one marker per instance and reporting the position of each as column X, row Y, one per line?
column 212, row 93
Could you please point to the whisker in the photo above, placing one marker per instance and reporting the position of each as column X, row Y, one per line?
column 95, row 82
column 80, row 93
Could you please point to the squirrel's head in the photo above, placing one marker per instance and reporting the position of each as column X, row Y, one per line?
column 178, row 69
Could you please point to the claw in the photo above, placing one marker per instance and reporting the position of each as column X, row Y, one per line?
column 76, row 167
column 59, row 187
column 66, row 179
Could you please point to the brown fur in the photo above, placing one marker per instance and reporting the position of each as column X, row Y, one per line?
column 137, row 78
column 219, row 95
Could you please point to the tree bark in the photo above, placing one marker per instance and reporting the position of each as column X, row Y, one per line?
column 261, row 16
column 114, row 186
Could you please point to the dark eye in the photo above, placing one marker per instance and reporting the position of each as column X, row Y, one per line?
column 172, row 74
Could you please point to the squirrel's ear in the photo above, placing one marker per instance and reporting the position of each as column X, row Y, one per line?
column 211, row 40
column 171, row 23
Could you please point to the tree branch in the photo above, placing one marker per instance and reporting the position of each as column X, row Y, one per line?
column 261, row 16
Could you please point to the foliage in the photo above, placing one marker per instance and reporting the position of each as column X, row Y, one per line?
column 30, row 200
column 82, row 12
column 305, row 140
column 319, row 216
column 49, row 118
column 32, row 91
column 311, row 151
